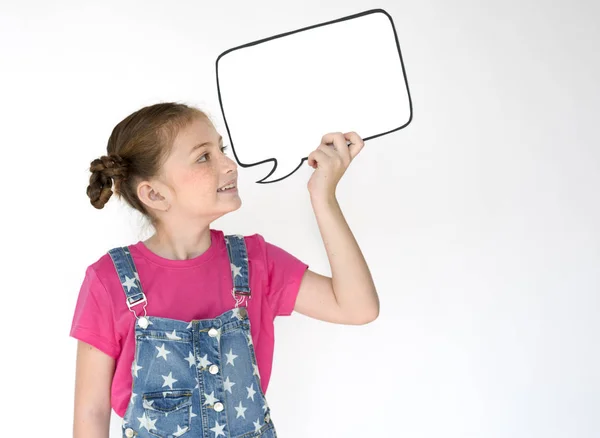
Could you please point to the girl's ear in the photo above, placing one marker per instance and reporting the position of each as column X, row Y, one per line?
column 151, row 194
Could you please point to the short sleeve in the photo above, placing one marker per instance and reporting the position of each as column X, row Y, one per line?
column 285, row 273
column 93, row 320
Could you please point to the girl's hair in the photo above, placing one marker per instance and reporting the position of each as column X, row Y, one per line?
column 137, row 148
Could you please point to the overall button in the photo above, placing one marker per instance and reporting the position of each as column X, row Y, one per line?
column 213, row 332
column 213, row 369
column 218, row 406
column 128, row 432
column 243, row 313
column 143, row 323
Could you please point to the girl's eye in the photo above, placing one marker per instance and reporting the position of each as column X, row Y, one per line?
column 223, row 149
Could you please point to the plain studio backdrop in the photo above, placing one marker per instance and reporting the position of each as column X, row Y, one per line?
column 479, row 220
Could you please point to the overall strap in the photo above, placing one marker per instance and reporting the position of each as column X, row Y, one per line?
column 238, row 259
column 128, row 275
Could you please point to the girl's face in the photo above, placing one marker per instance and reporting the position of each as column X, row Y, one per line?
column 195, row 171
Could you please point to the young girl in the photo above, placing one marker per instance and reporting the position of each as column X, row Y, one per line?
column 176, row 332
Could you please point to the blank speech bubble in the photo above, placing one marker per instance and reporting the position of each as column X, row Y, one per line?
column 281, row 94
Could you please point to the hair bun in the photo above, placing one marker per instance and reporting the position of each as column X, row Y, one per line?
column 105, row 170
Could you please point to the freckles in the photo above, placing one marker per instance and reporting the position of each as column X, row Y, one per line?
column 194, row 179
column 186, row 178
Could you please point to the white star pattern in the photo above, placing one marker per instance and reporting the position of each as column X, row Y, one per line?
column 137, row 276
column 257, row 425
column 191, row 359
column 204, row 362
column 227, row 384
column 129, row 283
column 162, row 352
column 218, row 430
column 210, row 399
column 136, row 368
column 230, row 357
column 251, row 391
column 235, row 270
column 146, row 422
column 147, row 404
column 240, row 410
column 173, row 336
column 169, row 380
column 180, row 431
column 133, row 394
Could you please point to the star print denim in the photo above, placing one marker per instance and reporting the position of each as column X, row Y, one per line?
column 194, row 378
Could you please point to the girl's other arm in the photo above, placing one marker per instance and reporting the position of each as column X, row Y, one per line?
column 93, row 378
column 349, row 296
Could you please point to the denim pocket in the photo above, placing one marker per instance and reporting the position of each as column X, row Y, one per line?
column 168, row 412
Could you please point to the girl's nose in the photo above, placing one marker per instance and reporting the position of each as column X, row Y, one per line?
column 229, row 163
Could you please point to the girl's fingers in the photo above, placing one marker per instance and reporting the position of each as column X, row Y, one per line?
column 317, row 157
column 357, row 143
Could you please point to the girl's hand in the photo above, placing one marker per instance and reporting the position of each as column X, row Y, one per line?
column 330, row 161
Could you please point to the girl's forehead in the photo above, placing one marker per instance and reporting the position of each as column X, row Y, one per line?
column 195, row 134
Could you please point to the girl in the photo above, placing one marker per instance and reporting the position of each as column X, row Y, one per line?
column 175, row 333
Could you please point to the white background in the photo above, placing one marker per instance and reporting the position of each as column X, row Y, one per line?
column 480, row 220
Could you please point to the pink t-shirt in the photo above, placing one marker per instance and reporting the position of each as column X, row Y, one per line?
column 198, row 288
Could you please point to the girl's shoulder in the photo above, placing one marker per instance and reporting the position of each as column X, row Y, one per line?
column 255, row 241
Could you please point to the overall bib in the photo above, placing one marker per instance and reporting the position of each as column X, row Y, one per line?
column 199, row 378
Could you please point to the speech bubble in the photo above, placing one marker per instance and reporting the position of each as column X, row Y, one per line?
column 280, row 95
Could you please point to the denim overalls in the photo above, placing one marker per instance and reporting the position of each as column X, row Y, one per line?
column 194, row 378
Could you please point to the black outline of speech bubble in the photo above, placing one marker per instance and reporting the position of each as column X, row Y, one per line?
column 274, row 160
